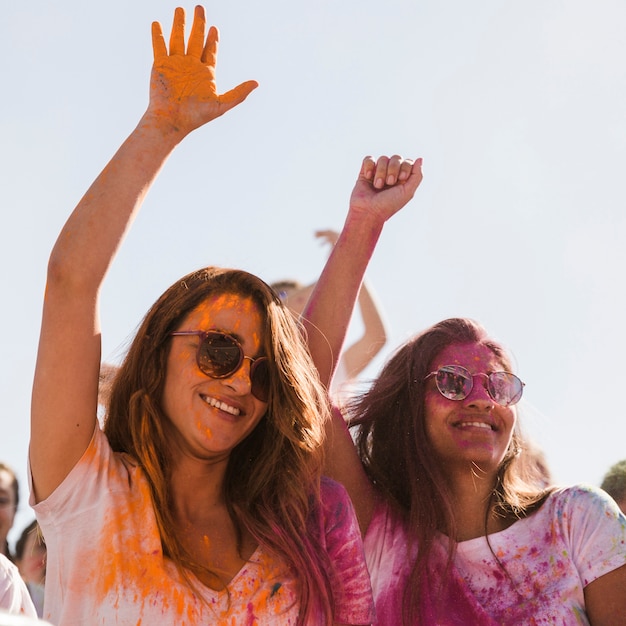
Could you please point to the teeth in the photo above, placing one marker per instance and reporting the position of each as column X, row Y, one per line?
column 222, row 406
column 476, row 424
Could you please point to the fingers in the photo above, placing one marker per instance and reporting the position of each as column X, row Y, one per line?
column 368, row 167
column 196, row 38
column 237, row 95
column 159, row 49
column 415, row 176
column 330, row 236
column 406, row 167
column 195, row 46
column 209, row 54
column 177, row 36
column 387, row 171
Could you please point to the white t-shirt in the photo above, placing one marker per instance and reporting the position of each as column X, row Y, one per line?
column 578, row 535
column 14, row 596
column 105, row 563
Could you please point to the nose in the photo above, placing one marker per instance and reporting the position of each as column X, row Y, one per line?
column 479, row 396
column 240, row 380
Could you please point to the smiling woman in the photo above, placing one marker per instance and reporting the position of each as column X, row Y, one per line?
column 451, row 498
column 201, row 500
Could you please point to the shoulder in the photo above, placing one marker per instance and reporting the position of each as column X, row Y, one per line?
column 334, row 499
column 14, row 595
column 335, row 510
column 330, row 489
column 579, row 495
column 99, row 473
column 581, row 507
column 8, row 569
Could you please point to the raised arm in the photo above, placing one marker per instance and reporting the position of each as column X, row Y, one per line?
column 358, row 355
column 382, row 189
column 183, row 97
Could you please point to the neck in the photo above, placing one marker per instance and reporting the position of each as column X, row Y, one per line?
column 471, row 492
column 197, row 487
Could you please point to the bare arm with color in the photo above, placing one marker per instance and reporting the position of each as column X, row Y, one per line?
column 183, row 97
column 382, row 189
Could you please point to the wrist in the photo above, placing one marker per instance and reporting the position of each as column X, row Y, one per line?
column 361, row 227
column 158, row 126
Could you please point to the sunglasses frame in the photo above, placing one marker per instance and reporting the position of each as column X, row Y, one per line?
column 460, row 370
column 254, row 362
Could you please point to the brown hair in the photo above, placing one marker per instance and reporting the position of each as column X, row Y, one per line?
column 272, row 480
column 392, row 443
column 20, row 544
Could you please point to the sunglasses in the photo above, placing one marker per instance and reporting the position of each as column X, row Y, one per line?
column 220, row 355
column 456, row 383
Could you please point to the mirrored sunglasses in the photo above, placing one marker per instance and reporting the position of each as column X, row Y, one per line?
column 454, row 382
column 220, row 355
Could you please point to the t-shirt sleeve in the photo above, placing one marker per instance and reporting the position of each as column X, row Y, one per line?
column 597, row 532
column 350, row 578
column 14, row 596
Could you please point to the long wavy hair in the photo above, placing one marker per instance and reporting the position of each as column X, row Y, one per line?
column 390, row 433
column 272, row 480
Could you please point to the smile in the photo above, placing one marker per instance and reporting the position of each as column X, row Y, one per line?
column 474, row 425
column 222, row 406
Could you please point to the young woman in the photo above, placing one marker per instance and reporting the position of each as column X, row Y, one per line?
column 458, row 525
column 201, row 501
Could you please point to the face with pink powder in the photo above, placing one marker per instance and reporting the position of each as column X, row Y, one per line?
column 473, row 431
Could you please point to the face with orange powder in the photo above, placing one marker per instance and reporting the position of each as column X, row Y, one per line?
column 212, row 416
column 475, row 429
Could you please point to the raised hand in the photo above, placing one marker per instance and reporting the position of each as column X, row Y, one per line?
column 183, row 94
column 384, row 186
column 327, row 236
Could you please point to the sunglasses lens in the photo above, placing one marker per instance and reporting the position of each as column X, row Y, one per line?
column 260, row 379
column 505, row 388
column 219, row 355
column 454, row 382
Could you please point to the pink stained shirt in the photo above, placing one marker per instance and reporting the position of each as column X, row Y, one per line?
column 578, row 535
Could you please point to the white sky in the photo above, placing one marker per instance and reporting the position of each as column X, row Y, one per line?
column 516, row 108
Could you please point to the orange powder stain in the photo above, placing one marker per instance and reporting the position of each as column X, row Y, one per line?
column 204, row 429
column 131, row 563
column 245, row 316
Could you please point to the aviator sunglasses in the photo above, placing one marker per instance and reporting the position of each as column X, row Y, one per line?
column 454, row 382
column 220, row 355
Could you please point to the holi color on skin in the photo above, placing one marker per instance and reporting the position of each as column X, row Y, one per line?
column 105, row 562
column 204, row 429
column 546, row 570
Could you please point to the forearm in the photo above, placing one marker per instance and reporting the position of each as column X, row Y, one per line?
column 360, row 353
column 382, row 189
column 92, row 234
column 374, row 325
column 330, row 307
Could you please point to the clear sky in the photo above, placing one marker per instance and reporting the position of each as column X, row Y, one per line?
column 518, row 110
